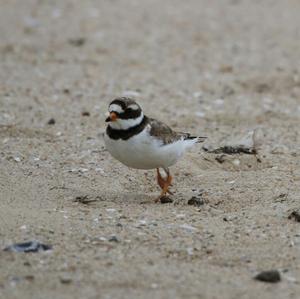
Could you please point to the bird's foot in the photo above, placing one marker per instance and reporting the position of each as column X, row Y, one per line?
column 164, row 184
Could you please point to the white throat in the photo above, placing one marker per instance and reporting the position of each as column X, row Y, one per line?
column 124, row 124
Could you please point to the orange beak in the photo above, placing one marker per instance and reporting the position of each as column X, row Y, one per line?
column 112, row 117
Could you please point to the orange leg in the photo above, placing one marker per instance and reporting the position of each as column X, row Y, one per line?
column 164, row 184
column 160, row 180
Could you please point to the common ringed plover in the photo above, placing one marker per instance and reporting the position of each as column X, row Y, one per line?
column 142, row 142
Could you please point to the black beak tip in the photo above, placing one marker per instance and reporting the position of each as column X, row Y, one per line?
column 107, row 120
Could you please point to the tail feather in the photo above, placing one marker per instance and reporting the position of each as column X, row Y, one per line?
column 199, row 139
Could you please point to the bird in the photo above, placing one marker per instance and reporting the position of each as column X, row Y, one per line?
column 141, row 142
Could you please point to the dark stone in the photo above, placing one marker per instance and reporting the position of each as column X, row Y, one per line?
column 196, row 201
column 85, row 113
column 31, row 246
column 272, row 276
column 113, row 239
column 65, row 279
column 166, row 199
column 295, row 215
column 77, row 42
column 51, row 121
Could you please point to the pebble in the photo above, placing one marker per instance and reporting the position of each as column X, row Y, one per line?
column 271, row 276
column 236, row 162
column 142, row 222
column 77, row 42
column 51, row 121
column 190, row 250
column 200, row 114
column 197, row 94
column 166, row 199
column 31, row 246
column 180, row 215
column 231, row 182
column 196, row 201
column 219, row 102
column 100, row 170
column 114, row 239
column 295, row 215
column 230, row 218
column 85, row 113
column 65, row 279
column 188, row 227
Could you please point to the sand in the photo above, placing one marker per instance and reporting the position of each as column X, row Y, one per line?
column 216, row 68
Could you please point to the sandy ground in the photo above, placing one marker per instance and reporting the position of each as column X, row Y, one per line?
column 214, row 68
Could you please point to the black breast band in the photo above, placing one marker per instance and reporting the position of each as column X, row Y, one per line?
column 126, row 134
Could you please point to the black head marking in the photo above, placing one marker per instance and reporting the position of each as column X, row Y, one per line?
column 123, row 102
column 128, row 113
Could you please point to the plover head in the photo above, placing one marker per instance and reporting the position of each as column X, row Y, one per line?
column 124, row 113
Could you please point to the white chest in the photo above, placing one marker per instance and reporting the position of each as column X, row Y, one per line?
column 144, row 151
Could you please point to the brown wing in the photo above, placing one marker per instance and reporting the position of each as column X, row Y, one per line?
column 164, row 132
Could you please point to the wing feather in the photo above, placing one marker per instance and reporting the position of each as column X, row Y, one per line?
column 164, row 133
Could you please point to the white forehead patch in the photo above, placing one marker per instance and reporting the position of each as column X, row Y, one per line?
column 116, row 108
column 134, row 107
